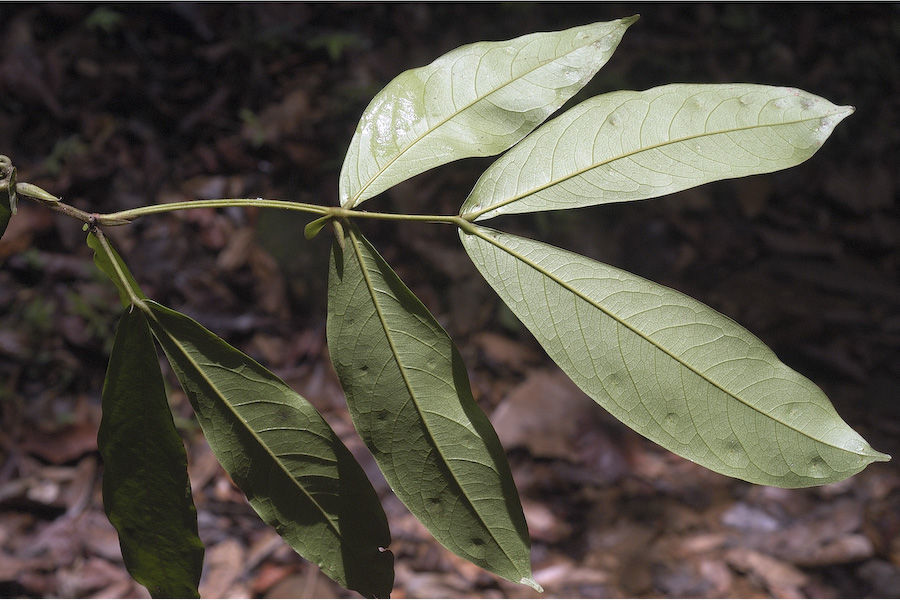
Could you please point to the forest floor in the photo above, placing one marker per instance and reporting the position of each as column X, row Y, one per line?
column 113, row 107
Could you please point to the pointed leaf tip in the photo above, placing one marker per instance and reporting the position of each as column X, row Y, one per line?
column 313, row 228
column 530, row 582
column 843, row 112
column 881, row 457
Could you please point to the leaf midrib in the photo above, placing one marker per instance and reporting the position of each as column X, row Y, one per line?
column 250, row 429
column 478, row 214
column 413, row 396
column 647, row 339
column 356, row 197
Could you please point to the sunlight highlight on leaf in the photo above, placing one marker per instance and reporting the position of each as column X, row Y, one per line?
column 477, row 100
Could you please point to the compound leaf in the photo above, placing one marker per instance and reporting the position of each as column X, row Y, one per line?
column 628, row 145
column 477, row 100
column 410, row 399
column 671, row 368
column 146, row 492
column 276, row 447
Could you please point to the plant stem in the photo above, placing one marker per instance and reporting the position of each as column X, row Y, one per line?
column 134, row 213
column 346, row 213
column 75, row 213
column 126, row 216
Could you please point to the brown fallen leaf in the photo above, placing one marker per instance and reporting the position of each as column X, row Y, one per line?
column 309, row 584
column 224, row 566
column 545, row 415
column 122, row 589
column 749, row 518
column 564, row 575
column 203, row 465
column 64, row 445
column 11, row 567
column 499, row 350
column 780, row 578
column 237, row 249
column 278, row 120
column 100, row 537
column 700, row 543
column 807, row 541
column 435, row 585
column 844, row 550
column 263, row 546
column 268, row 575
column 543, row 524
column 271, row 289
column 88, row 576
column 717, row 574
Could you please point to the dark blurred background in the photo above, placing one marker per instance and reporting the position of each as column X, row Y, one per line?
column 118, row 106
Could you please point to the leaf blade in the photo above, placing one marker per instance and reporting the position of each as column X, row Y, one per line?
column 477, row 100
column 671, row 368
column 626, row 146
column 112, row 265
column 5, row 212
column 410, row 399
column 7, row 193
column 294, row 470
column 146, row 492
